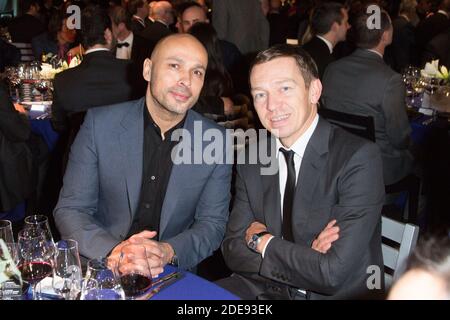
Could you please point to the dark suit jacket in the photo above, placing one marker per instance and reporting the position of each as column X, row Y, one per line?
column 363, row 84
column 155, row 32
column 24, row 28
column 438, row 48
column 100, row 79
column 136, row 26
column 403, row 50
column 103, row 181
column 15, row 156
column 319, row 51
column 429, row 28
column 340, row 178
column 141, row 50
column 9, row 55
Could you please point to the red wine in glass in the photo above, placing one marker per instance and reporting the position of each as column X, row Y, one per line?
column 34, row 272
column 134, row 284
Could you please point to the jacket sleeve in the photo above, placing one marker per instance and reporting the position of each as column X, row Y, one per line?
column 75, row 212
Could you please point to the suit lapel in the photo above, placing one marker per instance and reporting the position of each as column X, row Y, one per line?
column 313, row 162
column 180, row 171
column 131, row 143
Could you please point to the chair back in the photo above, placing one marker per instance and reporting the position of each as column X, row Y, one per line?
column 26, row 51
column 359, row 125
column 410, row 186
column 399, row 240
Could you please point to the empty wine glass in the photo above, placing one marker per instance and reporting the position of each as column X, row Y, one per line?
column 67, row 270
column 134, row 271
column 40, row 221
column 35, row 257
column 100, row 282
column 7, row 235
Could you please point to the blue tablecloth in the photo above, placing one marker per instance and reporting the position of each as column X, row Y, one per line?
column 192, row 287
column 43, row 128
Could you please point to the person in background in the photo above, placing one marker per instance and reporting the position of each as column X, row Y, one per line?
column 329, row 24
column 16, row 159
column 138, row 9
column 58, row 40
column 428, row 272
column 24, row 28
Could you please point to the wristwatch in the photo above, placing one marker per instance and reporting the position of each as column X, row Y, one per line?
column 255, row 240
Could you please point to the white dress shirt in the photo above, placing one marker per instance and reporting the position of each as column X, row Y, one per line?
column 125, row 52
column 95, row 50
column 298, row 147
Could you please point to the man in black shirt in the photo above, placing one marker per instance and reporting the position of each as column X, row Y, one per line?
column 126, row 177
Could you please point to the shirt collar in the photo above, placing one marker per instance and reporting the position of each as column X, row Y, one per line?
column 128, row 39
column 376, row 52
column 299, row 146
column 443, row 12
column 141, row 21
column 148, row 121
column 328, row 43
column 96, row 49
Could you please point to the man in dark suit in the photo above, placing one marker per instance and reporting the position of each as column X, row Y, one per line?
column 363, row 84
column 128, row 180
column 22, row 29
column 329, row 23
column 162, row 14
column 433, row 25
column 100, row 79
column 438, row 48
column 138, row 10
column 130, row 45
column 311, row 229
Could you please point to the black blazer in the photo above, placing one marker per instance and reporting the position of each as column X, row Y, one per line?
column 99, row 80
column 155, row 32
column 429, row 28
column 340, row 178
column 438, row 48
column 403, row 49
column 15, row 156
column 25, row 28
column 320, row 52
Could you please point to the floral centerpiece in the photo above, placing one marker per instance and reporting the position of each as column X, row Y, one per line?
column 49, row 70
column 8, row 268
column 432, row 70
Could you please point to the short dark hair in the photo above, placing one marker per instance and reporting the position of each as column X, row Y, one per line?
column 369, row 38
column 324, row 15
column 26, row 5
column 133, row 5
column 94, row 22
column 119, row 15
column 305, row 63
column 182, row 7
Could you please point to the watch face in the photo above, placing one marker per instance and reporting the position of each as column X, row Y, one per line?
column 253, row 243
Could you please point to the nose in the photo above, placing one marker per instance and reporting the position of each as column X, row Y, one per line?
column 185, row 78
column 273, row 102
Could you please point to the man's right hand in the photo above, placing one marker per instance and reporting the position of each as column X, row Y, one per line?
column 328, row 235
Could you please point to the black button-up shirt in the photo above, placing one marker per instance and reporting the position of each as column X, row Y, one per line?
column 157, row 166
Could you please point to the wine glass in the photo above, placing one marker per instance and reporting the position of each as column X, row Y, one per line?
column 67, row 270
column 39, row 221
column 100, row 282
column 7, row 235
column 134, row 271
column 35, row 257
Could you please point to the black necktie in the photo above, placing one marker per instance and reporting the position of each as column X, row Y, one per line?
column 289, row 191
column 123, row 44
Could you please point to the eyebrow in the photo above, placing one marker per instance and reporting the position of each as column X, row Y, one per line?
column 278, row 82
column 181, row 61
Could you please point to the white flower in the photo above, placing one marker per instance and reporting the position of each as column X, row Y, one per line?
column 432, row 70
column 8, row 268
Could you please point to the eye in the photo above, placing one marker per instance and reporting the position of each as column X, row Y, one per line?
column 174, row 65
column 198, row 73
column 285, row 89
column 259, row 96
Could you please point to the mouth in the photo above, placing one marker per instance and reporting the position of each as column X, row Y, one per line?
column 279, row 120
column 180, row 96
